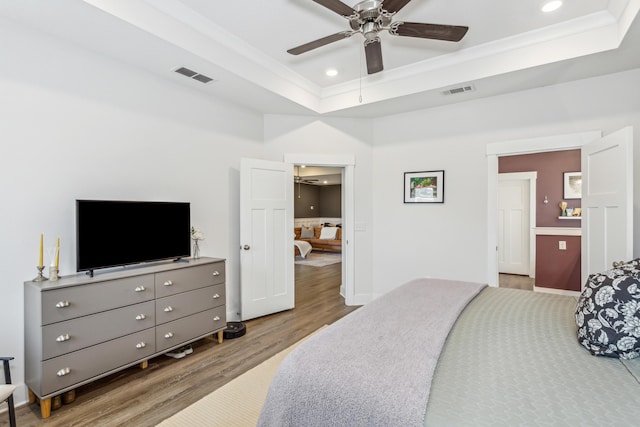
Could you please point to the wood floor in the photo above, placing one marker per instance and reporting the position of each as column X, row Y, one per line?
column 514, row 281
column 136, row 397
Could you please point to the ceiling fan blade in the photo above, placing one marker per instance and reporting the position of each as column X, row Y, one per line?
column 393, row 6
column 337, row 6
column 320, row 42
column 452, row 33
column 373, row 53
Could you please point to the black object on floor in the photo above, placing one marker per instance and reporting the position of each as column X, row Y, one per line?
column 234, row 330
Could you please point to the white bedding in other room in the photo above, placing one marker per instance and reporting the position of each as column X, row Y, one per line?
column 303, row 247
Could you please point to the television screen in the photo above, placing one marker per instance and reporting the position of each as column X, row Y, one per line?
column 112, row 233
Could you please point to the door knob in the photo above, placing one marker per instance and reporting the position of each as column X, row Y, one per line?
column 246, row 247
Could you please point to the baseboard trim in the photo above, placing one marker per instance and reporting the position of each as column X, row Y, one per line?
column 556, row 291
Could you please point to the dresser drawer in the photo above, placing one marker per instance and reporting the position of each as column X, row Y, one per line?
column 187, row 279
column 75, row 301
column 187, row 303
column 175, row 333
column 73, row 368
column 71, row 335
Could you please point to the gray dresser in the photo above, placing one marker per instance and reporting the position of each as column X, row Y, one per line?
column 81, row 328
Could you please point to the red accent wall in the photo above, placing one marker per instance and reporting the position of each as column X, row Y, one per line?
column 550, row 167
column 555, row 268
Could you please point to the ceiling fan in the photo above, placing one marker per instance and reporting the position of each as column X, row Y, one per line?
column 297, row 179
column 371, row 16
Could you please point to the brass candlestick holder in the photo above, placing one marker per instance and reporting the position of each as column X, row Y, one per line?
column 40, row 277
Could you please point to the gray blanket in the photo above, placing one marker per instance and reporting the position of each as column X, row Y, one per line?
column 386, row 357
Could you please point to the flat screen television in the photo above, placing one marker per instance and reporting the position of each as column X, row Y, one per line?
column 112, row 233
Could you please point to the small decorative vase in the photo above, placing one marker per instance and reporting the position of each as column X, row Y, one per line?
column 196, row 250
column 563, row 208
column 53, row 273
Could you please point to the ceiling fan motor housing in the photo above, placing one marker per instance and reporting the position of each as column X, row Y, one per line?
column 370, row 18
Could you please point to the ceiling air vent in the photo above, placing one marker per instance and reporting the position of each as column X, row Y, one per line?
column 461, row 89
column 193, row 75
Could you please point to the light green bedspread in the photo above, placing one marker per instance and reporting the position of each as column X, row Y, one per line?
column 513, row 359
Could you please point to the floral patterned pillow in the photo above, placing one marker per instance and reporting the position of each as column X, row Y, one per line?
column 608, row 312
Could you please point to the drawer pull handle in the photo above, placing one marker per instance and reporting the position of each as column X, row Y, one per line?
column 63, row 338
column 62, row 372
column 140, row 289
column 62, row 304
column 168, row 283
column 215, row 319
column 168, row 335
column 141, row 344
column 216, row 296
column 141, row 317
column 216, row 273
column 168, row 309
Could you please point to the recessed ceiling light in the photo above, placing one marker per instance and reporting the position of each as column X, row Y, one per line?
column 551, row 5
column 331, row 72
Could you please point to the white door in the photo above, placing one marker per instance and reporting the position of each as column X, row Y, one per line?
column 607, row 202
column 266, row 238
column 513, row 224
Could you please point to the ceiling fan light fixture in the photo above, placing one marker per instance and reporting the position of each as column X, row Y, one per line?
column 550, row 6
column 369, row 17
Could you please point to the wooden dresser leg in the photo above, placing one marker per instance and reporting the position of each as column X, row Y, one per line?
column 144, row 364
column 32, row 396
column 220, row 337
column 45, row 407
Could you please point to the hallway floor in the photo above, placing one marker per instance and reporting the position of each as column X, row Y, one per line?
column 515, row 281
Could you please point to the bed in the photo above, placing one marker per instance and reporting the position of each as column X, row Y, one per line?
column 426, row 354
column 301, row 247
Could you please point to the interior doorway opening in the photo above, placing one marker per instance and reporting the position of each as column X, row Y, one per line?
column 515, row 147
column 344, row 163
column 318, row 217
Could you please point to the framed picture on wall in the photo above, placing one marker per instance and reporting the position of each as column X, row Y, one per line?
column 424, row 187
column 572, row 185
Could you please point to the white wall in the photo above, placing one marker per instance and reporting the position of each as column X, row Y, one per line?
column 449, row 240
column 76, row 125
column 310, row 135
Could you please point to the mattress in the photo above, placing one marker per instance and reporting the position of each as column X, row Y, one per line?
column 513, row 358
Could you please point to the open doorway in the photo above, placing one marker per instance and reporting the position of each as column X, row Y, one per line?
column 526, row 182
column 318, row 217
column 550, row 208
column 345, row 163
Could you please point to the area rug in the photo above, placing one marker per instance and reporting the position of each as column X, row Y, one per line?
column 319, row 259
column 237, row 403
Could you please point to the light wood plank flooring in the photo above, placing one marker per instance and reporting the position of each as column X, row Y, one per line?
column 136, row 397
column 515, row 281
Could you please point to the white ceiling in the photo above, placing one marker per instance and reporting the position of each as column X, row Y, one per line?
column 510, row 46
column 318, row 175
